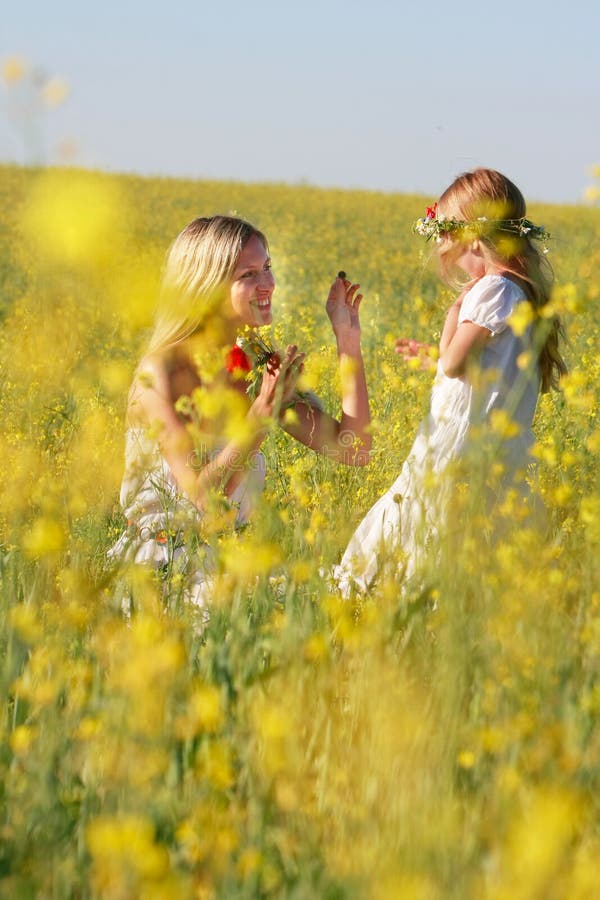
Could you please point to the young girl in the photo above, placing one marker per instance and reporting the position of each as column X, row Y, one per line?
column 194, row 429
column 484, row 246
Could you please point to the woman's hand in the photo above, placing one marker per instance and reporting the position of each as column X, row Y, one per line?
column 279, row 381
column 348, row 441
column 342, row 307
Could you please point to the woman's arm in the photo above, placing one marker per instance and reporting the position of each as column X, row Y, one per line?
column 348, row 440
column 195, row 472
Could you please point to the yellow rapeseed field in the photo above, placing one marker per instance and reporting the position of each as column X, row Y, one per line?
column 436, row 743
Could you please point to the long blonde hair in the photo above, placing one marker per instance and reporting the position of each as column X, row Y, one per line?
column 197, row 270
column 488, row 196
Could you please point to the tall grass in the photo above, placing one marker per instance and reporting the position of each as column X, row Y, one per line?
column 436, row 741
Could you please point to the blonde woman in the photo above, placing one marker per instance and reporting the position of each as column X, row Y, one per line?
column 194, row 431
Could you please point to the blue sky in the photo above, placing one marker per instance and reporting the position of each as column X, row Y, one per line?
column 381, row 95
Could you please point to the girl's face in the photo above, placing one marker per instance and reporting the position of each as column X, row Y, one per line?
column 472, row 261
column 252, row 286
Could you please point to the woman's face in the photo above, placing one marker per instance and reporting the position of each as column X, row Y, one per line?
column 252, row 285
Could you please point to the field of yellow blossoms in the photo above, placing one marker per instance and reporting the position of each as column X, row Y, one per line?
column 439, row 743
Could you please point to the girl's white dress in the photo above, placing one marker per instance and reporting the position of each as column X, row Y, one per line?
column 163, row 523
column 404, row 522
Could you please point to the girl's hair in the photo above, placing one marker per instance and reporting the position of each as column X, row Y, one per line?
column 485, row 195
column 197, row 269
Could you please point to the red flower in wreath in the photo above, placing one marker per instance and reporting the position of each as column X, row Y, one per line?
column 431, row 211
column 237, row 361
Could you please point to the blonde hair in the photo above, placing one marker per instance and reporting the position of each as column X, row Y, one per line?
column 197, row 270
column 487, row 196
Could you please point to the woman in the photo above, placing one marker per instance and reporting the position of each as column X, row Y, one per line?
column 194, row 431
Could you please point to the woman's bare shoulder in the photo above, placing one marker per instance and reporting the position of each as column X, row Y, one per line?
column 152, row 372
column 149, row 388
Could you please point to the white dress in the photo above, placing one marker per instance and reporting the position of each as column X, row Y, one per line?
column 163, row 523
column 403, row 524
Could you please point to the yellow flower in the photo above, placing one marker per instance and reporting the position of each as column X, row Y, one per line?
column 466, row 759
column 13, row 69
column 249, row 861
column 216, row 765
column 525, row 359
column 592, row 193
column 247, row 559
column 290, row 417
column 575, row 386
column 503, row 425
column 45, row 537
column 88, row 728
column 537, row 841
column 55, row 91
column 24, row 619
column 593, row 441
column 72, row 218
column 125, row 845
column 204, row 713
column 521, row 318
column 316, row 648
column 22, row 738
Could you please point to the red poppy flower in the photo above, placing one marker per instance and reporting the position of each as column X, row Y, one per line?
column 431, row 212
column 237, row 361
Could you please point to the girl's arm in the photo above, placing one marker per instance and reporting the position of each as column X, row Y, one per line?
column 459, row 341
column 348, row 440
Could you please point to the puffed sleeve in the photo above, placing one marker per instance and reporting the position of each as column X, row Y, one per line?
column 490, row 302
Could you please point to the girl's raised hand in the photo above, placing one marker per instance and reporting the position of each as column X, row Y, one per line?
column 342, row 306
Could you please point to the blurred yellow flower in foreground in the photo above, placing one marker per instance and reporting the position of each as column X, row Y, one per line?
column 25, row 621
column 537, row 844
column 22, row 738
column 45, row 536
column 204, row 713
column 246, row 560
column 72, row 217
column 55, row 91
column 521, row 317
column 13, row 69
column 124, row 853
column 502, row 424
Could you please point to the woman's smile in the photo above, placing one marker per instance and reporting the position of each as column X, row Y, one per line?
column 253, row 285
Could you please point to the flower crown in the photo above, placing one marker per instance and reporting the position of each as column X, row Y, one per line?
column 433, row 226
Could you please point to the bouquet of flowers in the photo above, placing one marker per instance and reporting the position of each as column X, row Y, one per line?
column 248, row 358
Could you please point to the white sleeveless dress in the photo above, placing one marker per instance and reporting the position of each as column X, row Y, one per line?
column 404, row 523
column 161, row 519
